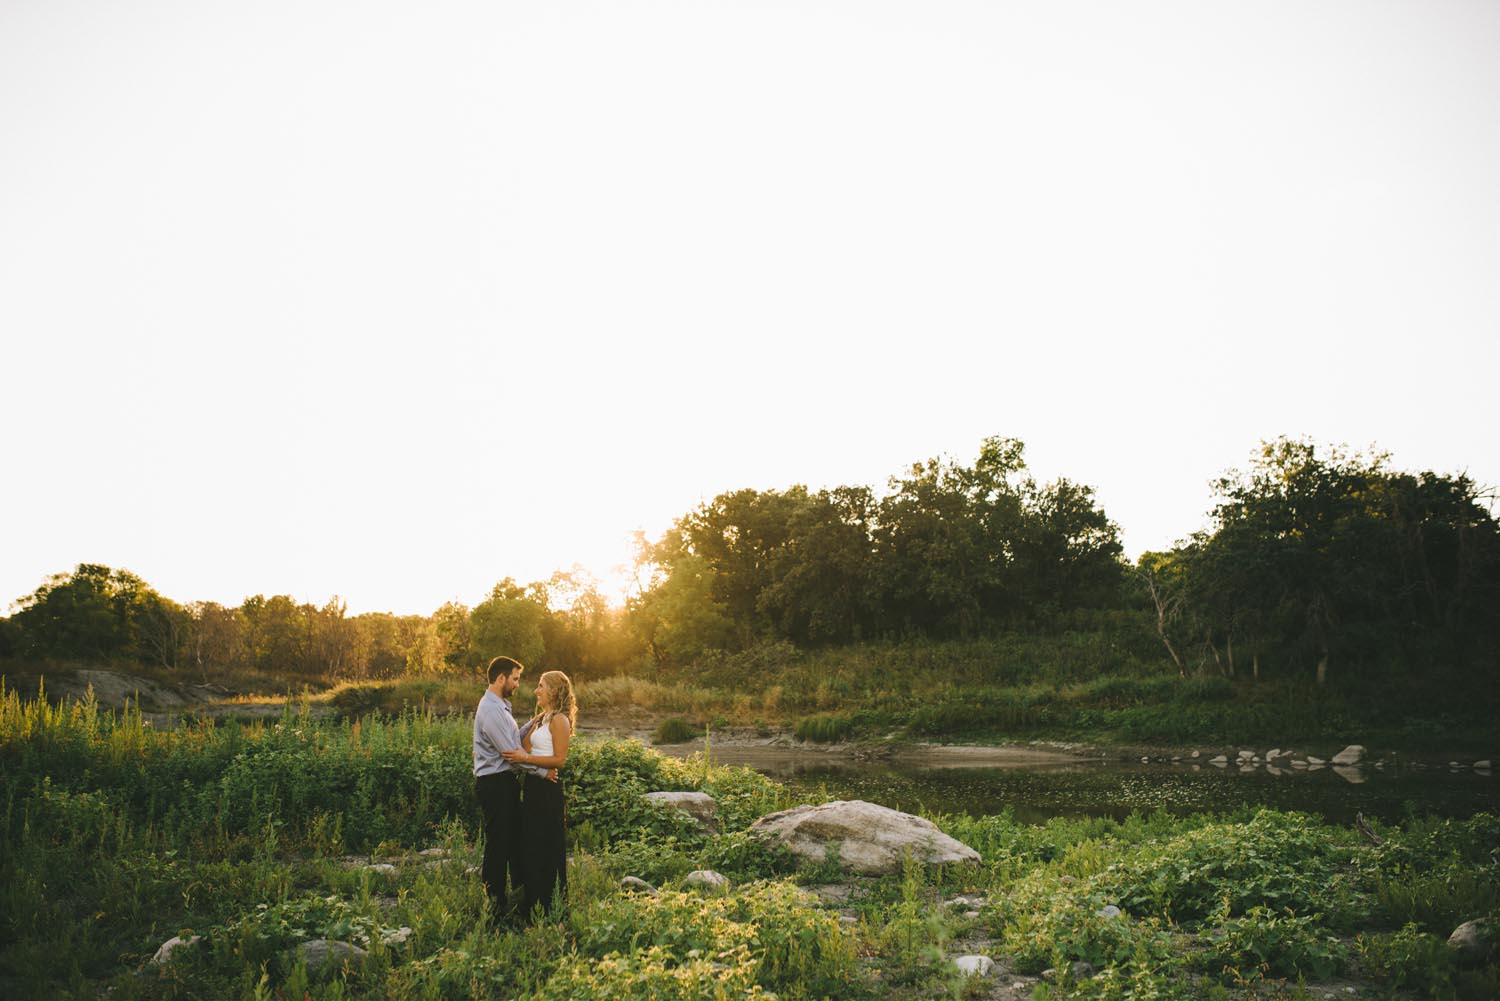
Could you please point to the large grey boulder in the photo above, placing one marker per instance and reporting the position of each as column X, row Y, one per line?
column 707, row 879
column 698, row 805
column 871, row 839
column 1472, row 942
column 324, row 956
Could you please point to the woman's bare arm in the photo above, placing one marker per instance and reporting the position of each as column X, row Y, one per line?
column 561, row 734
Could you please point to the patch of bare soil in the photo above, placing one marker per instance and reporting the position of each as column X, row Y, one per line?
column 112, row 689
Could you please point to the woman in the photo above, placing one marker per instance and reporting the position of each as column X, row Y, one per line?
column 544, row 746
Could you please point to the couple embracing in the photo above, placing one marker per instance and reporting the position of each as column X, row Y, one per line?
column 516, row 781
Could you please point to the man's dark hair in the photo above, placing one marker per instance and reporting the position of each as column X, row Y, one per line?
column 503, row 665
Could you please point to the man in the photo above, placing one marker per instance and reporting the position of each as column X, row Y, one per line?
column 497, row 784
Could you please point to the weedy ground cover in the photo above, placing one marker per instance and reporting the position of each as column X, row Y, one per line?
column 257, row 837
column 1099, row 675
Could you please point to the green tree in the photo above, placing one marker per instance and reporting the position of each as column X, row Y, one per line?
column 823, row 582
column 97, row 612
column 1066, row 552
column 676, row 616
column 451, row 622
column 1329, row 557
column 944, row 541
column 509, row 622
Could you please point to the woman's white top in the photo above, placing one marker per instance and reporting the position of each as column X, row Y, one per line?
column 541, row 737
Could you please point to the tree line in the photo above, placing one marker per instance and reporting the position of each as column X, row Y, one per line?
column 1318, row 562
column 100, row 614
column 1323, row 561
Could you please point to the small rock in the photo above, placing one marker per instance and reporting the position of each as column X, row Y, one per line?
column 708, row 879
column 1195, row 754
column 1454, row 764
column 1081, row 970
column 1274, row 752
column 171, row 945
column 1247, row 754
column 1351, row 755
column 384, row 868
column 1220, row 760
column 698, row 805
column 971, row 915
column 974, row 966
column 1067, row 880
column 1145, row 760
column 1483, row 765
column 1297, row 763
column 433, row 852
column 395, row 936
column 1176, row 758
column 1108, row 911
column 324, row 956
column 636, row 883
column 1472, row 942
column 1311, row 760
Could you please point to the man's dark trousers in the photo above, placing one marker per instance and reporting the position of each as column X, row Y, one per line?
column 500, row 800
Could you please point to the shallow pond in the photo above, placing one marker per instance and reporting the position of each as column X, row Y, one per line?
column 1109, row 787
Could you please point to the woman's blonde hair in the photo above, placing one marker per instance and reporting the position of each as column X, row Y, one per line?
column 561, row 689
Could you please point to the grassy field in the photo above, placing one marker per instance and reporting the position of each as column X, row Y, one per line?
column 1103, row 684
column 119, row 836
column 1101, row 677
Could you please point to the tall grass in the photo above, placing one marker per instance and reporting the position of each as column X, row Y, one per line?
column 119, row 835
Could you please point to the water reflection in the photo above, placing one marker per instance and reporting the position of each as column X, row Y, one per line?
column 1036, row 791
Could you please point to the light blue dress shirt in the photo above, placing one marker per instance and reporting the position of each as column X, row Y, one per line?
column 494, row 731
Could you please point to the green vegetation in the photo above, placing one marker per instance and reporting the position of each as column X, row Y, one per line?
column 675, row 730
column 1333, row 597
column 119, row 836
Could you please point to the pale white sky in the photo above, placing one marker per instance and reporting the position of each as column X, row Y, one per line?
column 391, row 300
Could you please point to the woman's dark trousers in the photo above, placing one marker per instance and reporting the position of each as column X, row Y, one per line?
column 544, row 834
column 500, row 800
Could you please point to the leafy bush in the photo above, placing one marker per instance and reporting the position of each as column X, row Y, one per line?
column 1438, row 873
column 655, row 975
column 1043, row 923
column 791, row 942
column 1276, row 860
column 824, row 728
column 1283, row 944
column 260, row 935
column 675, row 730
column 1409, row 958
column 742, row 856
